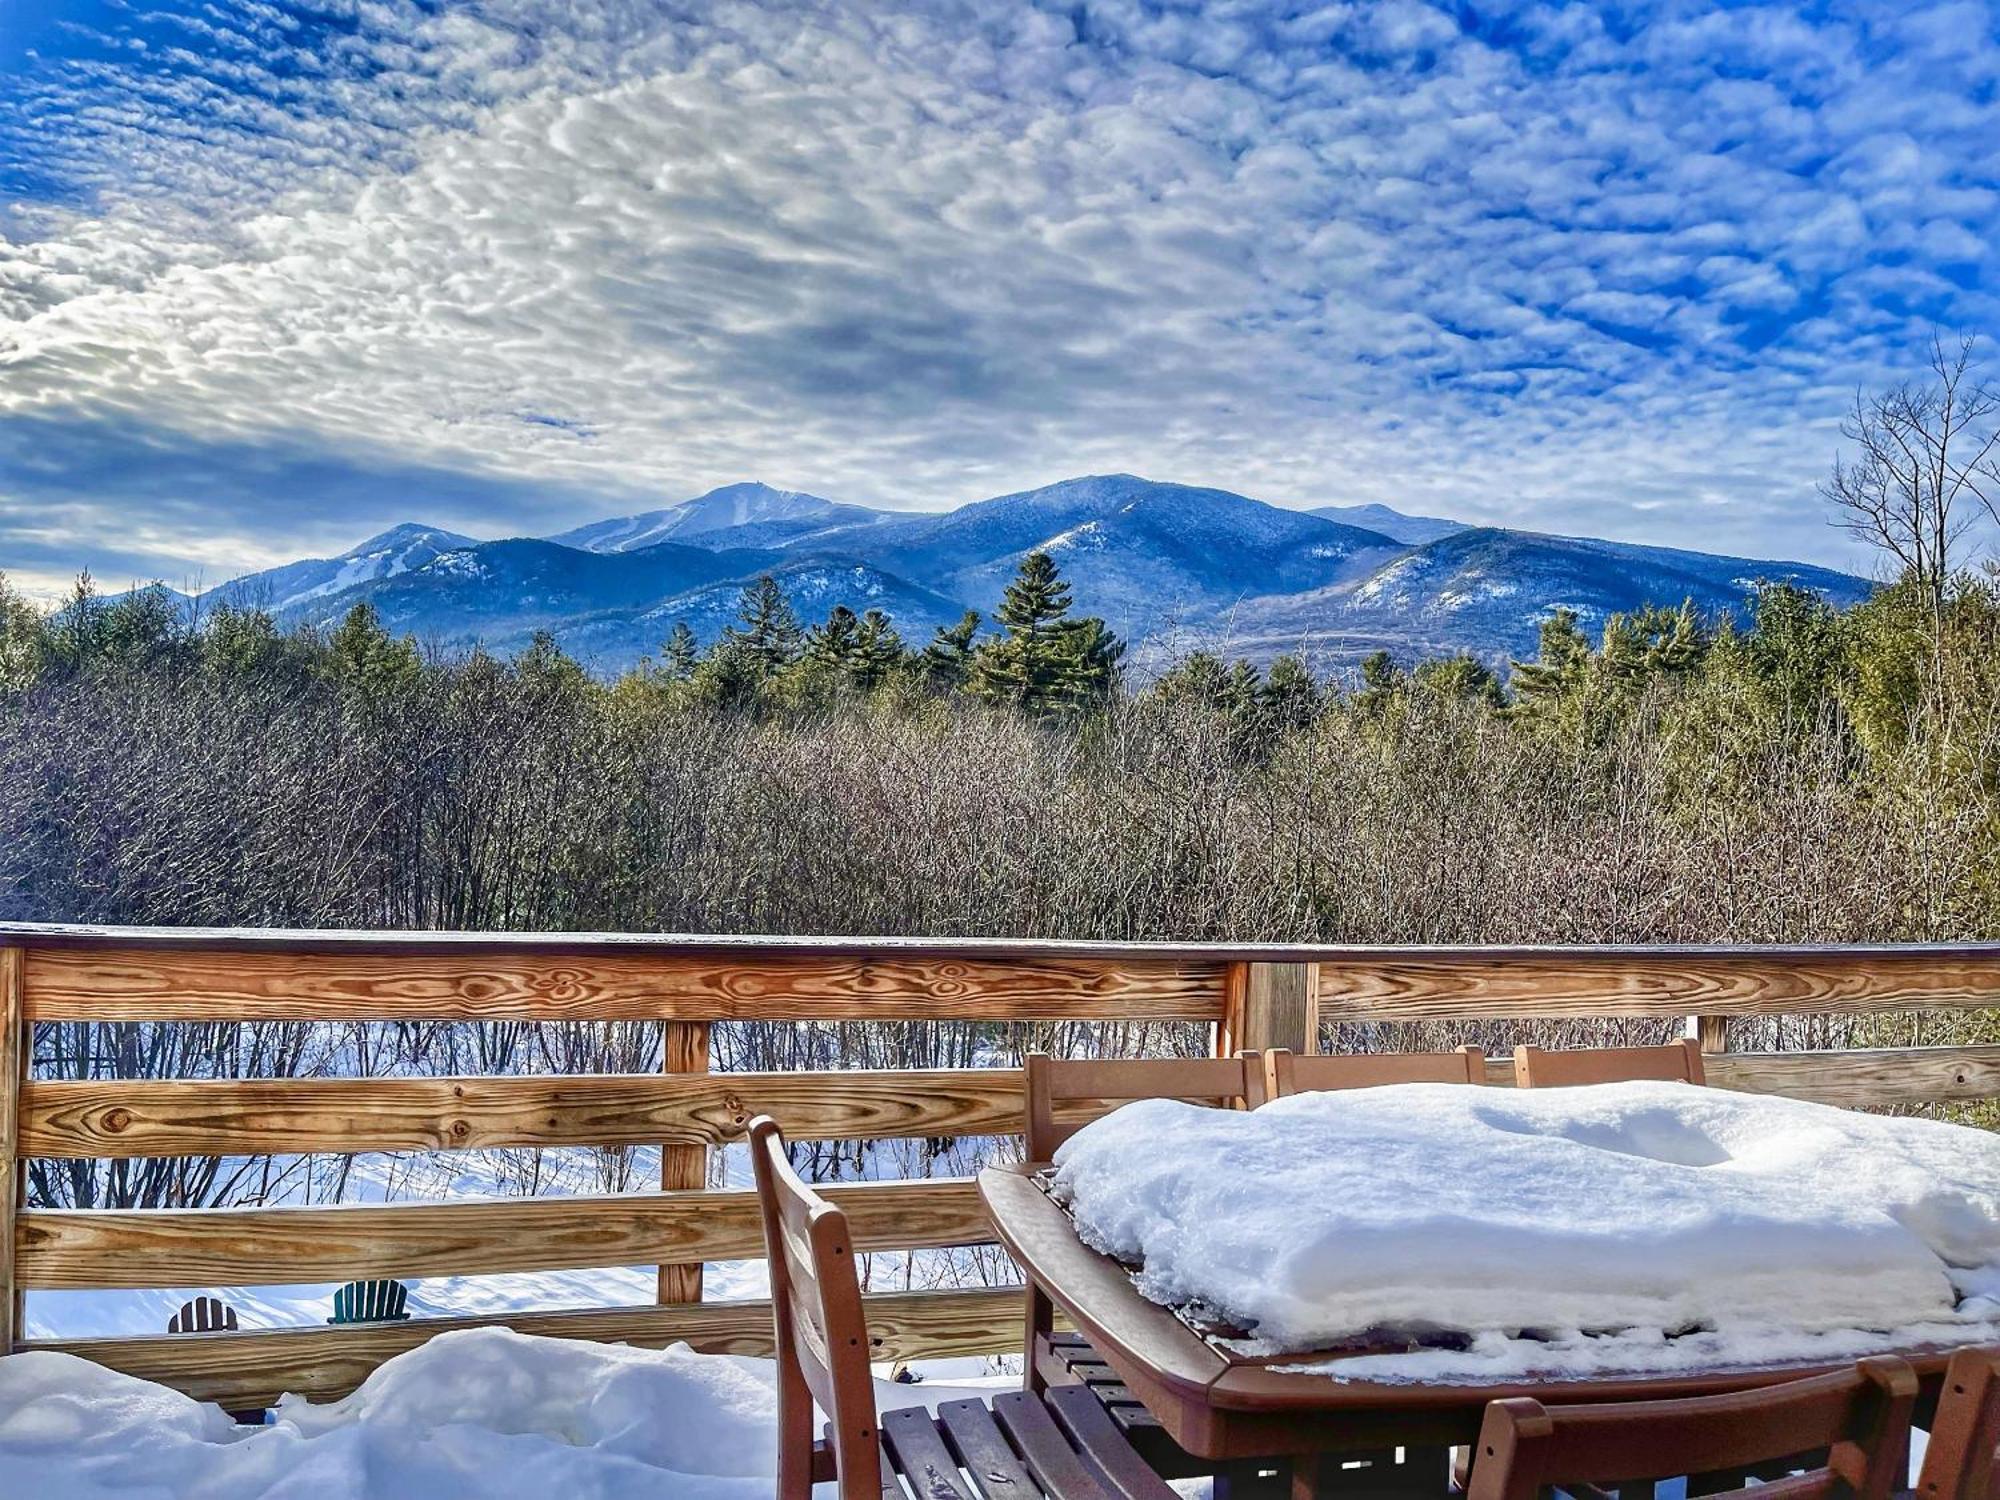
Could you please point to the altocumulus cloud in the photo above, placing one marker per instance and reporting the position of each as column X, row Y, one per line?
column 270, row 276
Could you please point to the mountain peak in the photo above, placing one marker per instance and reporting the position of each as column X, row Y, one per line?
column 745, row 505
column 407, row 534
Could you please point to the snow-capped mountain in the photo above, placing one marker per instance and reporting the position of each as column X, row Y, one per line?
column 1141, row 553
column 1415, row 530
column 1167, row 564
column 1487, row 590
column 753, row 515
column 395, row 551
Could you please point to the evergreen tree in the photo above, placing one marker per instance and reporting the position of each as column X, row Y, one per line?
column 766, row 638
column 363, row 658
column 1560, row 670
column 1291, row 697
column 947, row 660
column 836, row 645
column 1462, row 676
column 879, row 651
column 1381, row 681
column 1045, row 661
column 681, row 654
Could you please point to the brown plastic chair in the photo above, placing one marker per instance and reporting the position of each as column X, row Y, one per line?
column 1861, row 1417
column 1963, row 1459
column 1062, row 1446
column 1052, row 1082
column 203, row 1315
column 1676, row 1062
column 1280, row 1071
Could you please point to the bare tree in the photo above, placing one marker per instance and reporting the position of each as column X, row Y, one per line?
column 1927, row 458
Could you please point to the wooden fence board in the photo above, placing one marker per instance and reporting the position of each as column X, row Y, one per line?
column 1871, row 1078
column 253, row 1369
column 244, row 1117
column 83, row 1248
column 143, row 984
column 1556, row 984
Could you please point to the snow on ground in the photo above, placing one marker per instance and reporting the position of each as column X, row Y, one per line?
column 1624, row 1227
column 484, row 1413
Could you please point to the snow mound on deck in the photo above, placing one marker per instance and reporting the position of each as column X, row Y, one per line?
column 1633, row 1227
column 482, row 1412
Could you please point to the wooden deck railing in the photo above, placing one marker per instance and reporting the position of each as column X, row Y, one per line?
column 1251, row 996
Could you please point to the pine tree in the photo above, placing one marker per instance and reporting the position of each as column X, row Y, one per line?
column 1033, row 664
column 1462, row 676
column 947, row 660
column 366, row 660
column 1381, row 681
column 1291, row 697
column 681, row 654
column 836, row 645
column 879, row 651
column 1560, row 670
column 766, row 638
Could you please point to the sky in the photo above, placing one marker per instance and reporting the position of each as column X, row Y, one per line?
column 273, row 278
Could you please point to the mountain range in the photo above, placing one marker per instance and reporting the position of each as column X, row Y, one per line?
column 1169, row 566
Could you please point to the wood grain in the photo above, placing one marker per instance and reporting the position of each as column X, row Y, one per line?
column 1874, row 1078
column 113, row 1118
column 1551, row 984
column 253, row 1369
column 683, row 1165
column 139, row 984
column 13, row 1069
column 81, row 1248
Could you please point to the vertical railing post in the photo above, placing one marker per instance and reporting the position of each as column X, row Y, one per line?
column 1270, row 1005
column 13, row 1182
column 683, row 1164
column 1711, row 1034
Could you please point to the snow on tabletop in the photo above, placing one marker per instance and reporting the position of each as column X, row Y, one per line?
column 1486, row 1233
column 480, row 1413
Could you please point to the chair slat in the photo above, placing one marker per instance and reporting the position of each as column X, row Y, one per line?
column 916, row 1451
column 1047, row 1453
column 996, row 1470
column 1081, row 1416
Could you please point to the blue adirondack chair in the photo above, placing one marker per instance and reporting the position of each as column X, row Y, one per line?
column 371, row 1302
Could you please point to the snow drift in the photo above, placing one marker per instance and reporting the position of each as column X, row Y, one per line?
column 481, row 1413
column 1486, row 1232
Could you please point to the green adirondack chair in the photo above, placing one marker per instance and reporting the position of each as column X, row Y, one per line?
column 371, row 1302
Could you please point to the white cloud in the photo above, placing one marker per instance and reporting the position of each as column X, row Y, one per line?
column 1560, row 275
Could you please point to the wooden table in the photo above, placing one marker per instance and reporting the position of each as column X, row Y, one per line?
column 1225, row 1406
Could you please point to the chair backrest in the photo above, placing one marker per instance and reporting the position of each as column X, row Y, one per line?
column 1963, row 1459
column 822, row 1333
column 1861, row 1417
column 1676, row 1062
column 1281, row 1071
column 371, row 1302
column 1052, row 1082
column 203, row 1315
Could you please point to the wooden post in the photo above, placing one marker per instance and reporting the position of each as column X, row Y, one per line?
column 1712, row 1033
column 13, row 1181
column 1270, row 1005
column 684, row 1050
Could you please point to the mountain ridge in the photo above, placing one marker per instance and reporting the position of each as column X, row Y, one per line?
column 1167, row 565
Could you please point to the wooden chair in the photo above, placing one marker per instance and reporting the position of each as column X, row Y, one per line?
column 1963, row 1459
column 213, row 1315
column 1281, row 1072
column 371, row 1302
column 1676, row 1062
column 1861, row 1417
column 1224, row 1081
column 1061, row 1446
column 203, row 1315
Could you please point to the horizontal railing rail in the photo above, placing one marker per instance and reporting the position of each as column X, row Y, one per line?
column 1250, row 995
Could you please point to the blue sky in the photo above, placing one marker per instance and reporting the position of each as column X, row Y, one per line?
column 272, row 277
